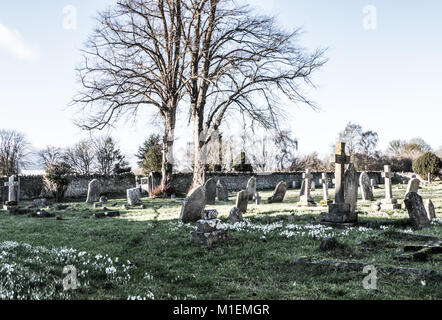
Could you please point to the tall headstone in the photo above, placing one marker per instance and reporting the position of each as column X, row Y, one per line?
column 339, row 212
column 279, row 193
column 366, row 189
column 93, row 191
column 389, row 203
column 193, row 205
column 13, row 189
column 242, row 201
column 302, row 191
column 325, row 196
column 251, row 187
column 222, row 192
column 133, row 196
column 210, row 187
column 416, row 209
column 306, row 200
column 351, row 187
column 413, row 185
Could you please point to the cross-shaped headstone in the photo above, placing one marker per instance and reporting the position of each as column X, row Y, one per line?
column 388, row 175
column 340, row 159
column 11, row 184
column 307, row 176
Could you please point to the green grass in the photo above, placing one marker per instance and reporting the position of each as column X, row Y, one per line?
column 255, row 263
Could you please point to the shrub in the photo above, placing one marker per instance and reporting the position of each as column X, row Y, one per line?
column 426, row 164
column 56, row 179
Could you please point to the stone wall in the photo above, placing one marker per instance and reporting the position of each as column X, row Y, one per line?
column 238, row 181
column 32, row 187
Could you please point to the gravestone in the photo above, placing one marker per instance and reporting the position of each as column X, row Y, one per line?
column 210, row 187
column 306, row 200
column 222, row 192
column 325, row 196
column 257, row 199
column 366, row 189
column 133, row 197
column 374, row 184
column 242, row 201
column 193, row 205
column 209, row 233
column 279, row 193
column 153, row 182
column 389, row 203
column 416, row 209
column 251, row 187
column 302, row 190
column 13, row 189
column 313, row 186
column 93, row 191
column 351, row 187
column 339, row 212
column 429, row 207
column 413, row 185
column 235, row 215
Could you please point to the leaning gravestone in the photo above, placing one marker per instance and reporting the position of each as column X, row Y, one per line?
column 93, row 192
column 235, row 215
column 302, row 191
column 429, row 207
column 367, row 192
column 416, row 209
column 210, row 191
column 193, row 205
column 134, row 197
column 279, row 193
column 222, row 192
column 251, row 187
column 413, row 185
column 351, row 187
column 242, row 201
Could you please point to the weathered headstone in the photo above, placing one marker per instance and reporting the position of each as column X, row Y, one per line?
column 279, row 193
column 389, row 203
column 134, row 197
column 222, row 192
column 374, row 184
column 366, row 189
column 210, row 187
column 302, row 190
column 93, row 191
column 413, row 185
column 13, row 189
column 416, row 209
column 242, row 201
column 429, row 207
column 209, row 233
column 235, row 215
column 251, row 187
column 313, row 186
column 351, row 187
column 193, row 205
column 257, row 198
column 339, row 212
column 325, row 196
column 306, row 200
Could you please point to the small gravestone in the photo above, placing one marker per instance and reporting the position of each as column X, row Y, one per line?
column 210, row 191
column 429, row 207
column 306, row 200
column 251, row 187
column 374, row 184
column 257, row 199
column 209, row 214
column 413, row 185
column 389, row 203
column 93, row 191
column 416, row 209
column 235, row 215
column 302, row 190
column 325, row 196
column 134, row 197
column 313, row 186
column 193, row 205
column 279, row 193
column 366, row 189
column 222, row 192
column 351, row 187
column 208, row 233
column 242, row 201
column 40, row 203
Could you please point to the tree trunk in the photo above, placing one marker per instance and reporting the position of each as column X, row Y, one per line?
column 168, row 159
column 199, row 166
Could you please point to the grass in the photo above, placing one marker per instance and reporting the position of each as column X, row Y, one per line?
column 146, row 254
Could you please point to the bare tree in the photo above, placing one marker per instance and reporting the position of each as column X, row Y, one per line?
column 135, row 58
column 80, row 157
column 50, row 155
column 240, row 63
column 352, row 137
column 14, row 150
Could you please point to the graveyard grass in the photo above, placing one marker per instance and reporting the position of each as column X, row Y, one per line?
column 146, row 254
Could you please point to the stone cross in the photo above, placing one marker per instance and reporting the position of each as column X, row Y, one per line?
column 340, row 159
column 11, row 184
column 324, row 182
column 388, row 175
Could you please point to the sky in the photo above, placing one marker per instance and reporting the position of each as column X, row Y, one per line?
column 384, row 70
